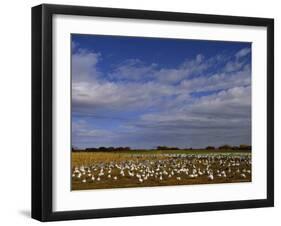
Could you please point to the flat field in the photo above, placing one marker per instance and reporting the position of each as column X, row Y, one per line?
column 144, row 168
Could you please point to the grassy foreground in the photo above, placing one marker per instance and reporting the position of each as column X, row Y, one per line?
column 142, row 168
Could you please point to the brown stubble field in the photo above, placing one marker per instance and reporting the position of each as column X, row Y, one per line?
column 102, row 170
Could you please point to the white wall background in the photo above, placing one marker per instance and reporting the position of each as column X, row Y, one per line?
column 15, row 93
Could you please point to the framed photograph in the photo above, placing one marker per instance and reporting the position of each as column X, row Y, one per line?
column 145, row 112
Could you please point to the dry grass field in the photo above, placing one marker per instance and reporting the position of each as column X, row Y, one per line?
column 100, row 170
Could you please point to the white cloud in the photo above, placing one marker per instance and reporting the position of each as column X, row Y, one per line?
column 82, row 129
column 232, row 105
column 243, row 52
column 115, row 96
column 84, row 65
column 238, row 62
column 133, row 70
column 233, row 66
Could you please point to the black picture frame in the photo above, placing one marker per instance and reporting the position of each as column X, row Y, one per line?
column 42, row 111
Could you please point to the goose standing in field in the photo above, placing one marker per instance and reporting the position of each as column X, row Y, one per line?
column 200, row 172
column 242, row 175
column 76, row 170
column 211, row 177
column 192, row 176
column 82, row 168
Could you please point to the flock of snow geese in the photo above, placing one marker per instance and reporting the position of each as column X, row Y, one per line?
column 174, row 168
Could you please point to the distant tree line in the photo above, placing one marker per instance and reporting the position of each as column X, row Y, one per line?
column 223, row 147
column 167, row 148
column 104, row 149
column 243, row 147
column 112, row 149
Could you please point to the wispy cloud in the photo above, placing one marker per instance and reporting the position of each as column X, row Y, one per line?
column 243, row 52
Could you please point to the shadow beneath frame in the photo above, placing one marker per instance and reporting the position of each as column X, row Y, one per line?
column 25, row 213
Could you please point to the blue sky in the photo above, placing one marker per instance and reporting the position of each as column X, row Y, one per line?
column 145, row 92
